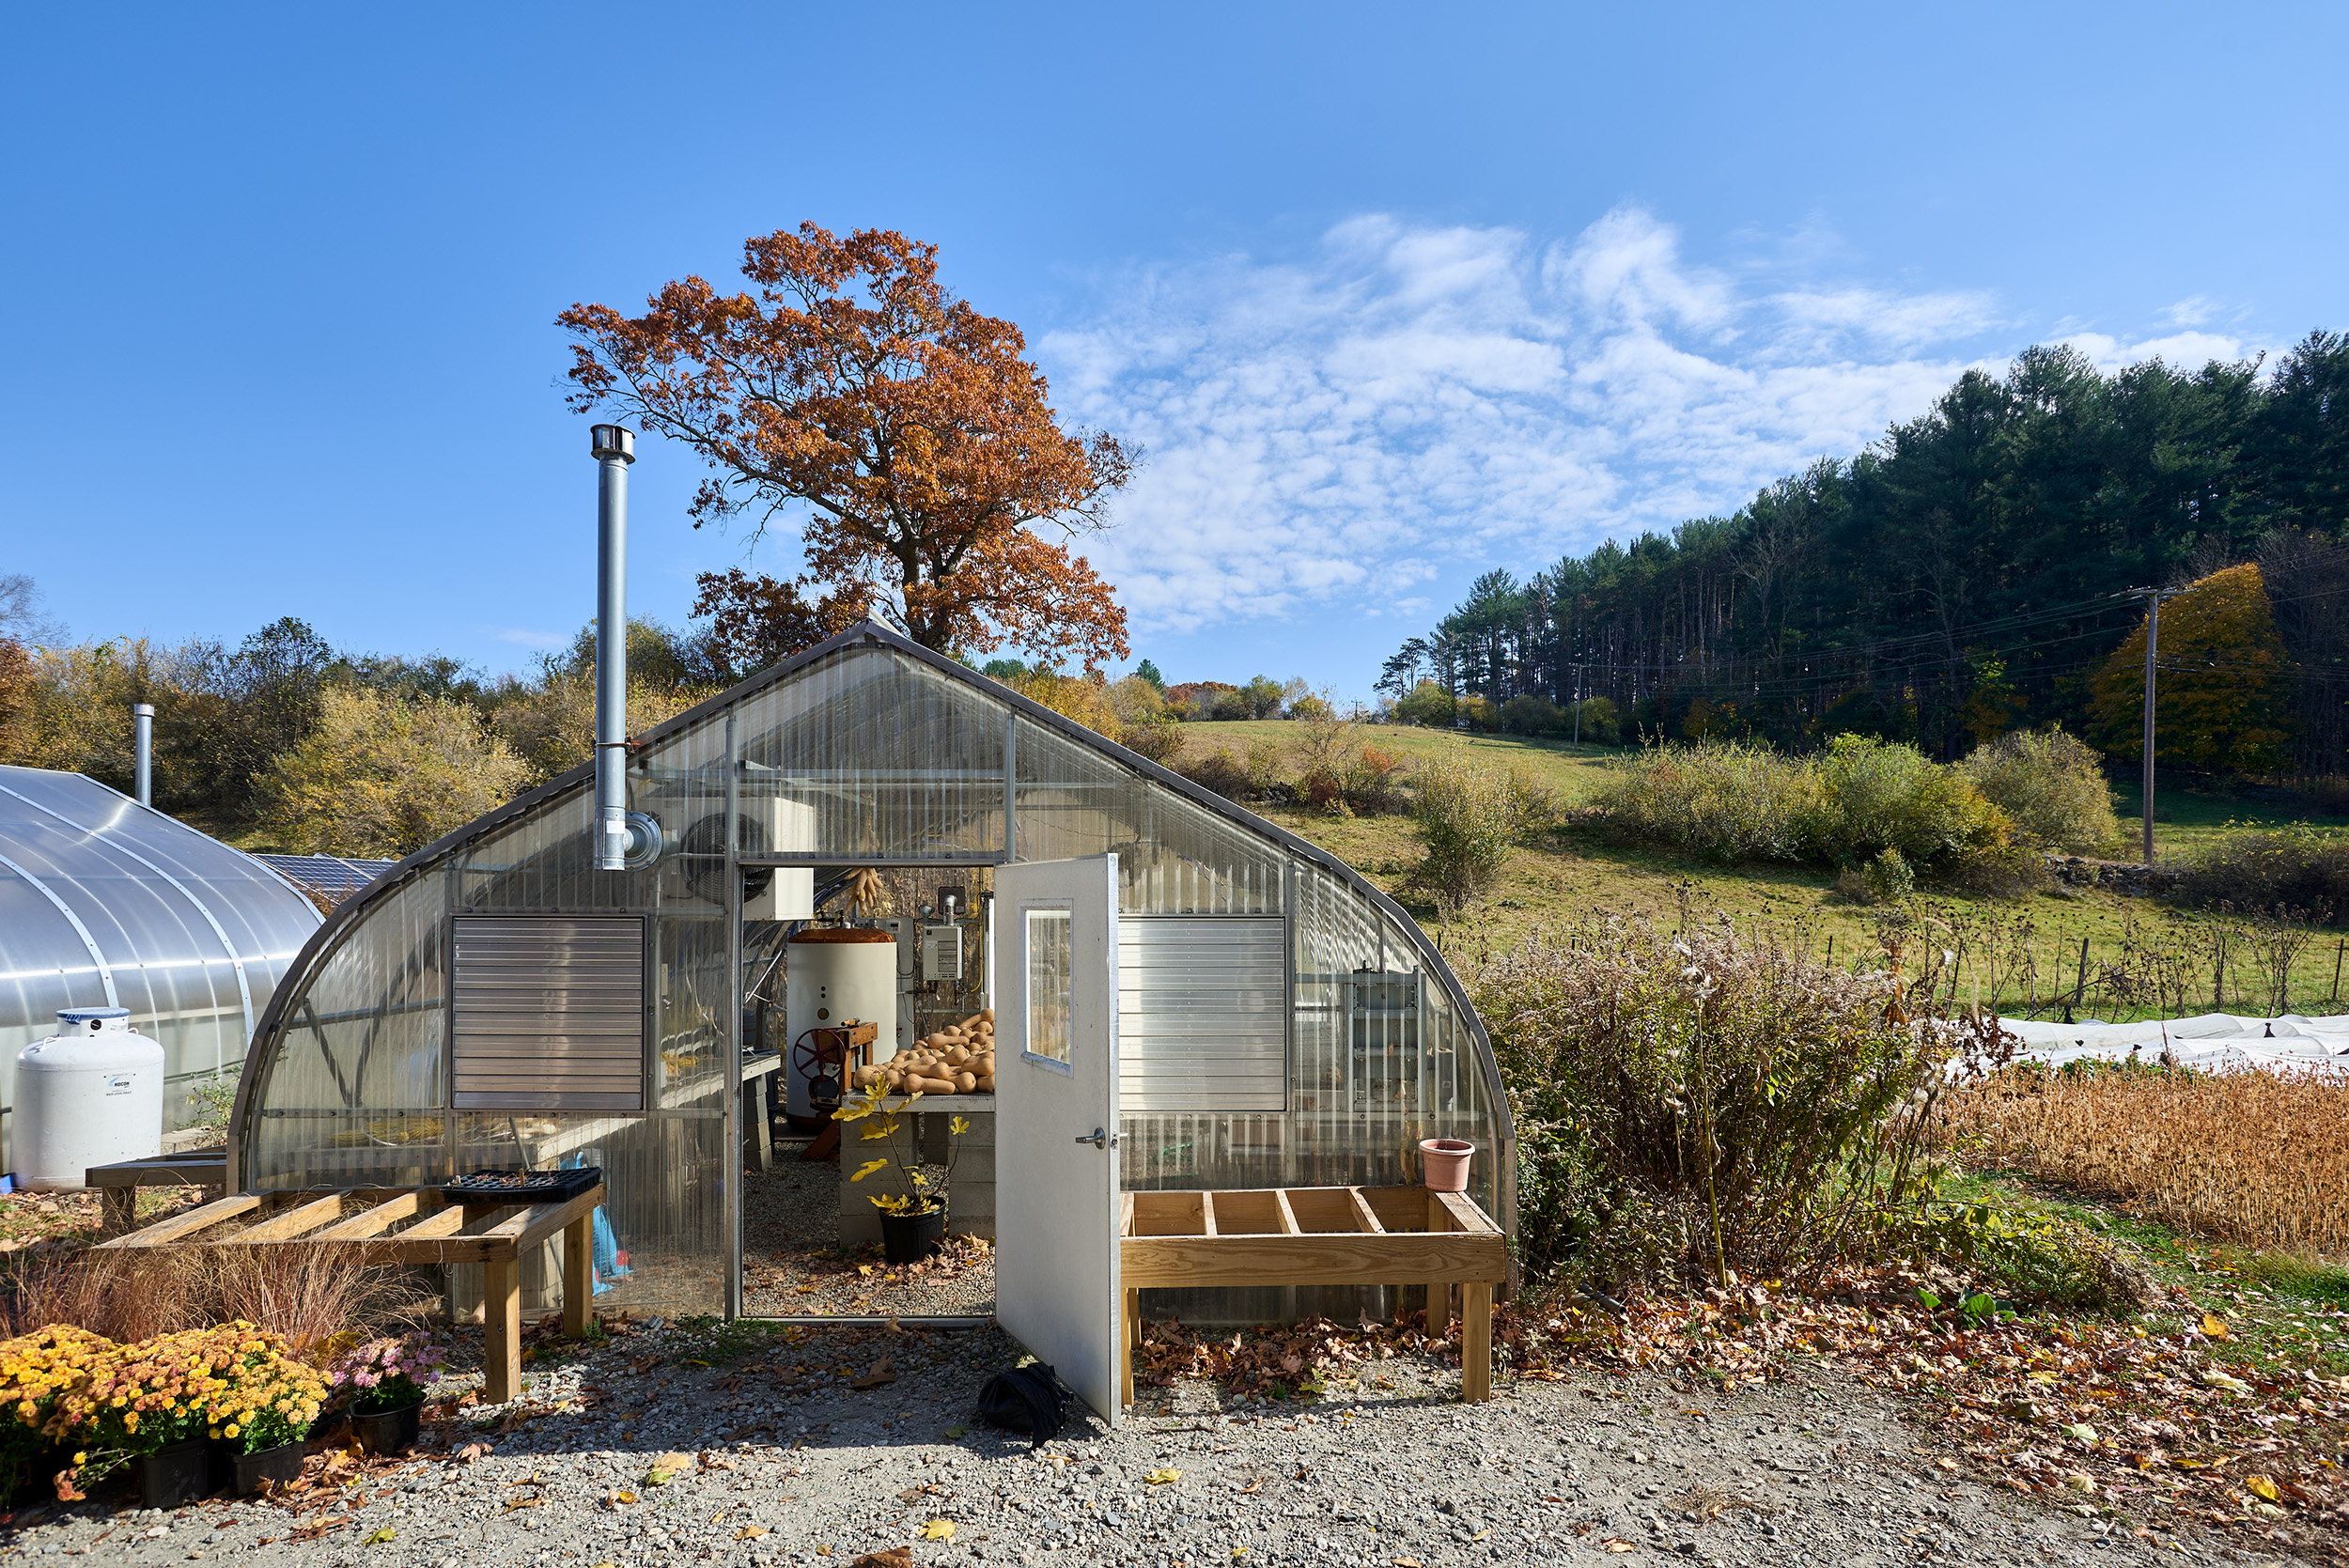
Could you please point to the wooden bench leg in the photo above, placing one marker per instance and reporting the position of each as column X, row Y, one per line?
column 117, row 1207
column 1439, row 1307
column 502, row 1315
column 1130, row 1338
column 579, row 1276
column 1476, row 1342
column 758, row 1138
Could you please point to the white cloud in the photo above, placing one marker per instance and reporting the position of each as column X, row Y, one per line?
column 531, row 639
column 1410, row 399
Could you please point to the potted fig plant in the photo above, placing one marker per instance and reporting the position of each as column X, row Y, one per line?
column 385, row 1379
column 913, row 1218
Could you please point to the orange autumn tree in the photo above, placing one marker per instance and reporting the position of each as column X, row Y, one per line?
column 2222, row 691
column 909, row 433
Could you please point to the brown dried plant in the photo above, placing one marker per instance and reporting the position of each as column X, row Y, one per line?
column 2261, row 1157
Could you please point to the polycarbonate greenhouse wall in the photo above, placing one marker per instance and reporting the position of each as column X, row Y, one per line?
column 866, row 749
column 105, row 903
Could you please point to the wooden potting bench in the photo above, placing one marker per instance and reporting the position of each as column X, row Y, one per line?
column 1318, row 1235
column 414, row 1226
column 118, row 1184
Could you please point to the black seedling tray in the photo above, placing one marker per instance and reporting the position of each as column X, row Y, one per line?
column 514, row 1184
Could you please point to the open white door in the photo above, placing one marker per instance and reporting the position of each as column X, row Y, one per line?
column 1055, row 991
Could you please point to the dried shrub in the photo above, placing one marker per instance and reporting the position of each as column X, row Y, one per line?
column 1721, row 801
column 1688, row 1104
column 1217, row 770
column 1371, row 780
column 306, row 1294
column 1468, row 815
column 2051, row 785
column 2258, row 1157
column 1268, row 766
column 2298, row 866
column 1882, row 795
column 1160, row 737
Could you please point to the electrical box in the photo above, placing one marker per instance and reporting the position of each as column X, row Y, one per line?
column 942, row 952
column 790, row 895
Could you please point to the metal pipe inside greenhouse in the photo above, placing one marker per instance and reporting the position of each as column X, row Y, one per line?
column 614, row 448
column 143, row 750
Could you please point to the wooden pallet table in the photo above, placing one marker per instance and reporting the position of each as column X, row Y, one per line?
column 414, row 1226
column 1318, row 1235
column 118, row 1183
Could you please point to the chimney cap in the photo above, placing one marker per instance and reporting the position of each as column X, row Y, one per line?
column 612, row 441
column 144, row 710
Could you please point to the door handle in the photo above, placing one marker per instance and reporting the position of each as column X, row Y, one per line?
column 1100, row 1138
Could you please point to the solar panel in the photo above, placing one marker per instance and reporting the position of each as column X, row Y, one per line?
column 331, row 876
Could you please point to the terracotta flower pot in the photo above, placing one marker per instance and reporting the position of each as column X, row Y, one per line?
column 1444, row 1163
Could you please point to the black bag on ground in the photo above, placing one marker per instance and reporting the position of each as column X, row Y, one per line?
column 1025, row 1398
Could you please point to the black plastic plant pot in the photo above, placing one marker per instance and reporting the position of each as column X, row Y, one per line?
column 178, row 1473
column 911, row 1237
column 282, row 1464
column 386, row 1431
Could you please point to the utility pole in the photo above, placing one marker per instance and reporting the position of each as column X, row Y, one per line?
column 2153, row 641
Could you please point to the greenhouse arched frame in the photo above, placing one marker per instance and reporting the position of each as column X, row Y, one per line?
column 864, row 750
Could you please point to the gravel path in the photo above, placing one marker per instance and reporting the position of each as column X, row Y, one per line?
column 793, row 1264
column 779, row 1457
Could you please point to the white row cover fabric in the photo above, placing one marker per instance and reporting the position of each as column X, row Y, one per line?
column 2211, row 1042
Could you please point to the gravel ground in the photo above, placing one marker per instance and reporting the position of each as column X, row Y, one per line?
column 780, row 1457
column 793, row 1264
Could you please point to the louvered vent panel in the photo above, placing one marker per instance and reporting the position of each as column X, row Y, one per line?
column 549, row 1014
column 1201, row 1014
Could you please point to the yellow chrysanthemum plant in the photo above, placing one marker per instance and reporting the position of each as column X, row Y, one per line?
column 109, row 1404
column 884, row 1114
column 36, row 1372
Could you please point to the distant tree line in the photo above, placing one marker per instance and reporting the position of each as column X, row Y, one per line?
column 282, row 740
column 1966, row 575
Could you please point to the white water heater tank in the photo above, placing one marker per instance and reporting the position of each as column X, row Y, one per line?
column 90, row 1094
column 831, row 975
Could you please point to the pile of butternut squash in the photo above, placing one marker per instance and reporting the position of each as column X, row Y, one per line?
column 956, row 1059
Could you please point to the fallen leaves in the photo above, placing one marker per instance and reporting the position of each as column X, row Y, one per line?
column 667, row 1468
column 471, row 1451
column 1163, row 1478
column 2214, row 1326
column 877, row 1376
column 380, row 1537
column 750, row 1532
column 939, row 1529
column 895, row 1557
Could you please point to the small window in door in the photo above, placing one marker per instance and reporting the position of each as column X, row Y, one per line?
column 1052, row 965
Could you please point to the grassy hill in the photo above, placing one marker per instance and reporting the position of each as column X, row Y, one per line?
column 1573, row 871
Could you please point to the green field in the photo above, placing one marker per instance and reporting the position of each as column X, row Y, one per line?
column 1572, row 871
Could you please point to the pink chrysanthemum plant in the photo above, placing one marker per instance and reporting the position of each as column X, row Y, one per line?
column 387, row 1373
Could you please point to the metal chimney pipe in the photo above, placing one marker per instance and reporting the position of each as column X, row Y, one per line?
column 143, row 751
column 614, row 448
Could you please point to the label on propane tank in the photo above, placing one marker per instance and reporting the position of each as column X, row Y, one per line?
column 118, row 1084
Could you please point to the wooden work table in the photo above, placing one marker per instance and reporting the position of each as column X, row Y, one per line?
column 1320, row 1235
column 414, row 1226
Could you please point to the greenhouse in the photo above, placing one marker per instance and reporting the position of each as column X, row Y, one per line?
column 106, row 903
column 1264, row 1016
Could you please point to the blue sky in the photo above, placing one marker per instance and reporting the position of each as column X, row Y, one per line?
column 1390, row 294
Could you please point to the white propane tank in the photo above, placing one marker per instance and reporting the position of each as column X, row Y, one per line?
column 831, row 975
column 91, row 1094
